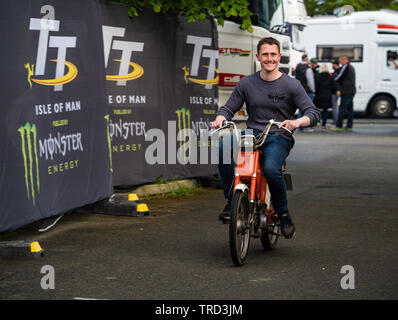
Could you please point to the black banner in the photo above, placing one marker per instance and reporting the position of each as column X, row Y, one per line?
column 87, row 93
column 196, row 93
column 55, row 151
column 162, row 93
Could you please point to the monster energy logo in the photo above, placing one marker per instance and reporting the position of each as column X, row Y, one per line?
column 28, row 135
column 184, row 128
column 109, row 141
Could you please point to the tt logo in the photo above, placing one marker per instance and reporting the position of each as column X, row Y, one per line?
column 127, row 48
column 198, row 52
column 46, row 25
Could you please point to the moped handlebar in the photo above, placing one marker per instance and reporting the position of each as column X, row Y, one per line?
column 260, row 139
column 272, row 121
column 226, row 124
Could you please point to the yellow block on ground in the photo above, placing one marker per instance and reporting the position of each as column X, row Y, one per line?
column 35, row 247
column 133, row 197
column 142, row 207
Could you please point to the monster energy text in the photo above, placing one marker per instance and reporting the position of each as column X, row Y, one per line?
column 60, row 144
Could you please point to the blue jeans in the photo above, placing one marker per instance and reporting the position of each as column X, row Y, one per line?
column 346, row 106
column 275, row 150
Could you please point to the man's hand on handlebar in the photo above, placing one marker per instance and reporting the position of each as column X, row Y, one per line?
column 294, row 124
column 289, row 124
column 218, row 122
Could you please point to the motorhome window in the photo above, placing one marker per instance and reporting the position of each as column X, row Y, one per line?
column 392, row 59
column 325, row 53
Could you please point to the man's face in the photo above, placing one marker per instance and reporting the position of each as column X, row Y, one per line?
column 343, row 60
column 269, row 57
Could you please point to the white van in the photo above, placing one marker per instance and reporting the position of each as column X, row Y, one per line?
column 370, row 40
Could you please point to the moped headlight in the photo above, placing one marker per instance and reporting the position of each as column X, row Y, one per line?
column 247, row 142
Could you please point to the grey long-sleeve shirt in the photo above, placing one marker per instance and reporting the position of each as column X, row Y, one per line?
column 265, row 100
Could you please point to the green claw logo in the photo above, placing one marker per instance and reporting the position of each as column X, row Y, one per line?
column 184, row 126
column 28, row 134
column 109, row 141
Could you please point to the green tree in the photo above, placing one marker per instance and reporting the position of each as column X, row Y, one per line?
column 322, row 7
column 197, row 10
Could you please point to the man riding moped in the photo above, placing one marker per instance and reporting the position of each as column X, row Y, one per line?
column 268, row 94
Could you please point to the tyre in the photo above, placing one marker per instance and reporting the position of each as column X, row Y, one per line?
column 269, row 238
column 382, row 107
column 239, row 229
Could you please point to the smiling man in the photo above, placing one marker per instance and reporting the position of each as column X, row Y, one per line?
column 268, row 94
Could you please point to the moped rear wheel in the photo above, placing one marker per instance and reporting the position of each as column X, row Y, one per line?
column 271, row 232
column 239, row 228
column 270, row 236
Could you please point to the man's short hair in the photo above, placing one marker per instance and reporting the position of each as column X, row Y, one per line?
column 270, row 41
column 304, row 57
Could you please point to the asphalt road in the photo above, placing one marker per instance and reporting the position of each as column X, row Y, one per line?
column 344, row 204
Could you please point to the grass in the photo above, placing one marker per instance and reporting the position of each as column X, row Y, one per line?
column 178, row 192
column 160, row 180
column 182, row 191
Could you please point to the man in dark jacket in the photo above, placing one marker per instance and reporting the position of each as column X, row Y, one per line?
column 346, row 81
column 315, row 66
column 305, row 74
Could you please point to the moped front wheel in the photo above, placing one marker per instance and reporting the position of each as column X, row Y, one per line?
column 239, row 228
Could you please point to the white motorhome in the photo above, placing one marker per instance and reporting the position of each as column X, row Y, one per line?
column 370, row 40
column 238, row 48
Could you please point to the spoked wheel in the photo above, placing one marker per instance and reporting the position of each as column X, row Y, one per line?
column 239, row 229
column 269, row 238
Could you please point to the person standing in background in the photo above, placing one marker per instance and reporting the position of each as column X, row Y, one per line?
column 305, row 74
column 335, row 96
column 346, row 81
column 325, row 87
column 315, row 66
